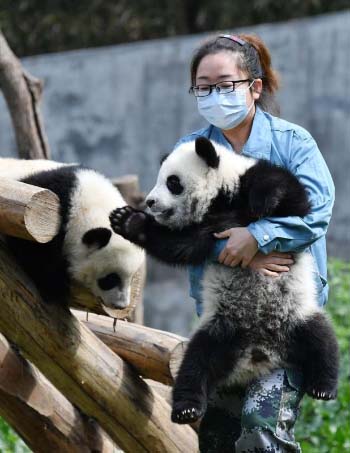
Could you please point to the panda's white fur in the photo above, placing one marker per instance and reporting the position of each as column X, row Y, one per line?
column 232, row 291
column 17, row 169
column 201, row 183
column 91, row 200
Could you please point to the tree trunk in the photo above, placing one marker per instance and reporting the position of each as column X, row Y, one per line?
column 22, row 93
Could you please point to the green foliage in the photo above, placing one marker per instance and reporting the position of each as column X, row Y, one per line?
column 9, row 441
column 324, row 427
column 40, row 26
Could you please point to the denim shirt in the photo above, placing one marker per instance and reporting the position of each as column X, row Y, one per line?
column 292, row 147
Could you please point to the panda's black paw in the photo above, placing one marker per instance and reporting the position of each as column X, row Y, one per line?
column 325, row 393
column 129, row 223
column 187, row 412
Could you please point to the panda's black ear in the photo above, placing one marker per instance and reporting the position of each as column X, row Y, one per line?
column 162, row 159
column 97, row 237
column 205, row 149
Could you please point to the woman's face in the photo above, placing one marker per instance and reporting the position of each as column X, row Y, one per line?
column 221, row 67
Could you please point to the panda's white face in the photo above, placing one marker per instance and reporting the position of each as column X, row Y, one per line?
column 190, row 178
column 99, row 259
column 105, row 263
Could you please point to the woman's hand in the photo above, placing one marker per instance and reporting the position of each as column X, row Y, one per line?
column 272, row 264
column 240, row 248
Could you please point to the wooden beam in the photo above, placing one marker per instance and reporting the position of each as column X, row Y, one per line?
column 148, row 350
column 155, row 354
column 40, row 414
column 28, row 212
column 85, row 370
column 22, row 93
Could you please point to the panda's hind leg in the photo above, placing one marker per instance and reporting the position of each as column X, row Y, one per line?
column 314, row 348
column 210, row 357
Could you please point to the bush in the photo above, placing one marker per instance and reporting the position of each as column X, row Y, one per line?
column 40, row 26
column 9, row 441
column 324, row 427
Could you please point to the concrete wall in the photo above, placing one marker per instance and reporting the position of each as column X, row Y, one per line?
column 120, row 108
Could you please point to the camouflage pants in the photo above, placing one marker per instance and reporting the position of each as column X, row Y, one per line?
column 258, row 419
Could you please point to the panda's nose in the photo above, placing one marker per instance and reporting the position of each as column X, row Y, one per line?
column 150, row 202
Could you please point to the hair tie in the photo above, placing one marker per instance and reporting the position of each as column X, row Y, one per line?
column 234, row 38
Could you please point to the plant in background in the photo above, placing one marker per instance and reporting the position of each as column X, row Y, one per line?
column 324, row 427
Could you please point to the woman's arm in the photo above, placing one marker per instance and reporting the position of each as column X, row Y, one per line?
column 293, row 233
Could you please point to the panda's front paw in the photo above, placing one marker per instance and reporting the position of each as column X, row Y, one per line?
column 187, row 411
column 129, row 223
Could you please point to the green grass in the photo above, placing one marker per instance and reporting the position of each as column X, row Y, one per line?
column 324, row 427
column 9, row 441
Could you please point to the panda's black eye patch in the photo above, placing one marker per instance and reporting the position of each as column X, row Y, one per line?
column 173, row 184
column 97, row 237
column 110, row 281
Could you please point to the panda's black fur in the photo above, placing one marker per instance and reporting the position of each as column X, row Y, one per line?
column 253, row 322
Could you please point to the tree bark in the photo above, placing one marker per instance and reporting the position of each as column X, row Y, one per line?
column 22, row 93
column 41, row 415
column 85, row 370
column 28, row 212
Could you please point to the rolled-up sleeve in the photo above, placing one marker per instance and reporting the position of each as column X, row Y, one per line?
column 297, row 233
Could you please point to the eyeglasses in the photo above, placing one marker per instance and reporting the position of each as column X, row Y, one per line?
column 226, row 86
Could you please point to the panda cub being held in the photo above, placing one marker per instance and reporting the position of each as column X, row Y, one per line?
column 85, row 249
column 251, row 323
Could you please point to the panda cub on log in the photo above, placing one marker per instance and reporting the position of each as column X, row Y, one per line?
column 85, row 249
column 251, row 323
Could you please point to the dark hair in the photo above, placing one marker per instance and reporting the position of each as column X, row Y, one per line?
column 254, row 59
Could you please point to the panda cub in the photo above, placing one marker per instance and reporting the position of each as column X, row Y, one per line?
column 251, row 323
column 85, row 249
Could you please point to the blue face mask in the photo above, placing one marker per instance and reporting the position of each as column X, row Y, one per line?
column 224, row 111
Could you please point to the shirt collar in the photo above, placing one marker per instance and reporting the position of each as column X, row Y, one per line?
column 258, row 144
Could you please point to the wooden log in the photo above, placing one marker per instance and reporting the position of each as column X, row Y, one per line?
column 155, row 354
column 148, row 350
column 40, row 414
column 85, row 370
column 28, row 212
column 22, row 93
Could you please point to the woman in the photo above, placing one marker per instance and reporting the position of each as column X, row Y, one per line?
column 234, row 86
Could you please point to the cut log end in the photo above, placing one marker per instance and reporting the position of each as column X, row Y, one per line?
column 28, row 212
column 42, row 216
